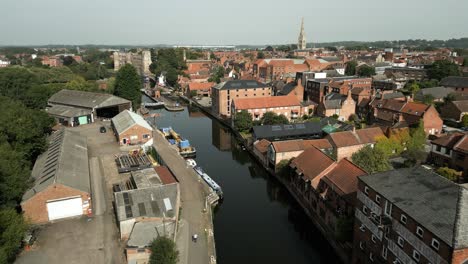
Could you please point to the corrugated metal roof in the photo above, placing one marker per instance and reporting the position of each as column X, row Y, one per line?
column 127, row 119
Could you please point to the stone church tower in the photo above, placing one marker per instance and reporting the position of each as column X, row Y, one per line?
column 301, row 44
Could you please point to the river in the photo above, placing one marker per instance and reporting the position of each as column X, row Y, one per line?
column 258, row 221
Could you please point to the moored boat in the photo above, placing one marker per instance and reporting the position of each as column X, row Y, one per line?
column 213, row 185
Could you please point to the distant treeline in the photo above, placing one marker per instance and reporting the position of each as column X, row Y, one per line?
column 422, row 43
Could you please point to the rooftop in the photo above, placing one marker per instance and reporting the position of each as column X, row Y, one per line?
column 126, row 119
column 239, row 84
column 361, row 136
column 143, row 233
column 428, row 198
column 86, row 99
column 300, row 144
column 147, row 202
column 454, row 81
column 65, row 162
column 308, row 129
column 67, row 111
column 265, row 102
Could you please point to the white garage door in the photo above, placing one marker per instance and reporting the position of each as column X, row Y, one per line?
column 65, row 208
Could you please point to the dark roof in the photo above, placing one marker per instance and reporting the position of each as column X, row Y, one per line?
column 65, row 162
column 86, row 99
column 430, row 199
column 308, row 129
column 239, row 84
column 454, row 81
column 286, row 89
column 393, row 95
column 436, row 92
column 449, row 141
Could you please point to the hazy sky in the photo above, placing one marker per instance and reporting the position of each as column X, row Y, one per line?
column 216, row 22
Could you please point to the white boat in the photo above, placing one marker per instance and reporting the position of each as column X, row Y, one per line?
column 213, row 185
column 191, row 163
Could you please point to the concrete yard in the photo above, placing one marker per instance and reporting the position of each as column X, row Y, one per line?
column 86, row 240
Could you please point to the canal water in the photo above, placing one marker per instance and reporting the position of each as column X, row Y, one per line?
column 258, row 221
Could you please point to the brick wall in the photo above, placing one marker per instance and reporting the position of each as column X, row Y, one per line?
column 460, row 256
column 432, row 121
column 35, row 209
column 347, row 152
column 137, row 131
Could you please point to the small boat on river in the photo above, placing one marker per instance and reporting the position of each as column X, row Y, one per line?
column 213, row 185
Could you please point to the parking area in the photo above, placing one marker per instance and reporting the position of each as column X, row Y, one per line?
column 86, row 239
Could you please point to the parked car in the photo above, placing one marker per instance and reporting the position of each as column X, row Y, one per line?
column 103, row 129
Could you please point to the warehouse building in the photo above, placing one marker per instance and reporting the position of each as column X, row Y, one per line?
column 61, row 180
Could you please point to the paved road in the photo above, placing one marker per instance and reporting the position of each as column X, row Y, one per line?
column 193, row 193
column 99, row 203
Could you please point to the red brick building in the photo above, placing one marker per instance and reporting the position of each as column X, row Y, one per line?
column 201, row 89
column 346, row 143
column 130, row 128
column 61, row 186
column 451, row 151
column 410, row 216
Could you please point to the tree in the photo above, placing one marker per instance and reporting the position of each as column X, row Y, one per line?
column 351, row 67
column 428, row 99
column 465, row 120
column 12, row 229
column 260, row 55
column 450, row 174
column 243, row 121
column 217, row 74
column 271, row 118
column 413, row 88
column 415, row 153
column 282, row 168
column 441, row 69
column 15, row 81
column 163, row 251
column 128, row 85
column 366, row 71
column 193, row 94
column 372, row 160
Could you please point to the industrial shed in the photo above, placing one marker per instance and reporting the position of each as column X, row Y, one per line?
column 61, row 180
column 130, row 128
column 73, row 108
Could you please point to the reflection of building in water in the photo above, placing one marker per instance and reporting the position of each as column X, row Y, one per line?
column 195, row 112
column 221, row 137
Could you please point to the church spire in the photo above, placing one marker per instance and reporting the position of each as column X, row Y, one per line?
column 301, row 43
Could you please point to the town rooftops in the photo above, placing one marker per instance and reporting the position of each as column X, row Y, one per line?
column 462, row 144
column 65, row 162
column 300, row 144
column 275, row 132
column 413, row 108
column 239, row 84
column 126, row 119
column 432, row 201
column 262, row 146
column 462, row 106
column 454, row 81
column 449, row 141
column 435, row 92
column 265, row 102
column 311, row 163
column 194, row 86
column 343, row 178
column 359, row 137
column 157, row 202
column 86, row 99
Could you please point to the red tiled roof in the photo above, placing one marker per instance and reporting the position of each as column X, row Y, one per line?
column 449, row 141
column 344, row 177
column 280, row 63
column 300, row 144
column 413, row 108
column 462, row 145
column 200, row 86
column 361, row 136
column 311, row 163
column 165, row 175
column 265, row 102
column 262, row 145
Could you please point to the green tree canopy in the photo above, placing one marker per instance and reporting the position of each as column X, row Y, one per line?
column 450, row 174
column 465, row 120
column 372, row 160
column 243, row 121
column 441, row 69
column 366, row 71
column 128, row 85
column 15, row 81
column 415, row 148
column 12, row 229
column 351, row 67
column 260, row 55
column 271, row 118
column 163, row 251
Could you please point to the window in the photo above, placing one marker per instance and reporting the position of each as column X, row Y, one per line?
column 374, row 239
column 419, row 231
column 364, row 209
column 371, row 257
column 366, row 190
column 416, row 255
column 146, row 136
column 384, row 252
column 362, row 228
column 400, row 241
column 361, row 245
column 403, row 219
column 435, row 244
column 377, row 199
